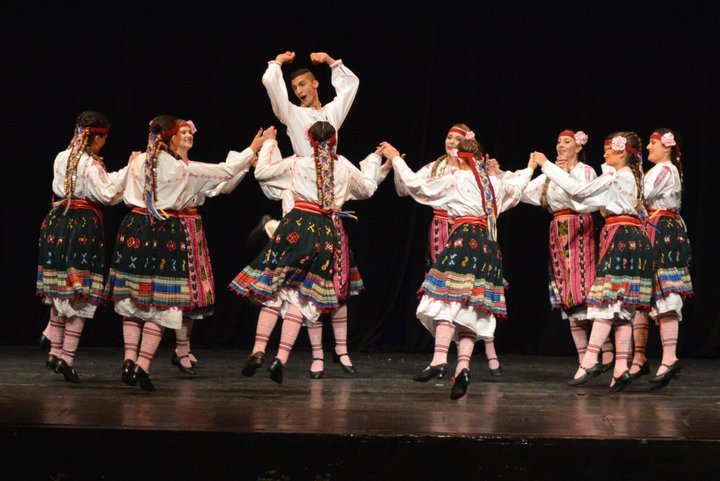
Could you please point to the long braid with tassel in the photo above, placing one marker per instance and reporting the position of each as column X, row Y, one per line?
column 150, row 191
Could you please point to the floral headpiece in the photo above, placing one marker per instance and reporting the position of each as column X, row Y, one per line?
column 668, row 140
column 619, row 144
column 580, row 137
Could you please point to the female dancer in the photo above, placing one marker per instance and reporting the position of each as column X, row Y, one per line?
column 463, row 291
column 671, row 246
column 161, row 267
column 572, row 242
column 71, row 267
column 180, row 144
column 307, row 268
column 441, row 224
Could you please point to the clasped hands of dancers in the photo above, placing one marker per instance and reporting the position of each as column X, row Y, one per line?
column 161, row 275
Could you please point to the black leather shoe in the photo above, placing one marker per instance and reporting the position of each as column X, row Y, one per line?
column 67, row 371
column 347, row 369
column 43, row 342
column 127, row 374
column 276, row 371
column 317, row 374
column 175, row 360
column 664, row 379
column 51, row 362
column 143, row 378
column 497, row 372
column 644, row 370
column 430, row 372
column 460, row 385
column 621, row 382
column 186, row 370
column 589, row 374
column 252, row 363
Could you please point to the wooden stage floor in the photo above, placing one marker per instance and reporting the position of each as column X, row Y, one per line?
column 376, row 424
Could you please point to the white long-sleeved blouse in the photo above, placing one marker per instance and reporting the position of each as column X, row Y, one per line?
column 179, row 183
column 662, row 187
column 614, row 190
column 557, row 198
column 298, row 175
column 93, row 182
column 457, row 191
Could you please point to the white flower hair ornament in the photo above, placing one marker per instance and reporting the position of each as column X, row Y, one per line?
column 469, row 135
column 192, row 127
column 668, row 139
column 453, row 153
column 618, row 143
column 581, row 137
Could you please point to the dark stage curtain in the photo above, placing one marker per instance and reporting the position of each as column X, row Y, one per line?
column 516, row 75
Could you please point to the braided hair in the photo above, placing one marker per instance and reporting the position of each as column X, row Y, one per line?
column 88, row 126
column 634, row 161
column 476, row 162
column 323, row 140
column 160, row 132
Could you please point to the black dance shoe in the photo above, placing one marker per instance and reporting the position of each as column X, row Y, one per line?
column 460, row 385
column 43, row 342
column 127, row 374
column 347, row 369
column 67, row 371
column 664, row 379
column 51, row 362
column 430, row 372
column 497, row 372
column 644, row 370
column 175, row 360
column 621, row 382
column 276, row 371
column 143, row 378
column 589, row 374
column 252, row 363
column 183, row 369
column 317, row 374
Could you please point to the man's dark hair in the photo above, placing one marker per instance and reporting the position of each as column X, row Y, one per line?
column 301, row 71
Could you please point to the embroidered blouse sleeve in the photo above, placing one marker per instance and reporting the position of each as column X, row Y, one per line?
column 107, row 188
column 362, row 182
column 657, row 181
column 272, row 171
column 428, row 191
column 204, row 177
column 509, row 192
column 592, row 193
column 532, row 194
column 423, row 173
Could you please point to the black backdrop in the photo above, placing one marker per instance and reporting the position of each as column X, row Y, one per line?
column 517, row 75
